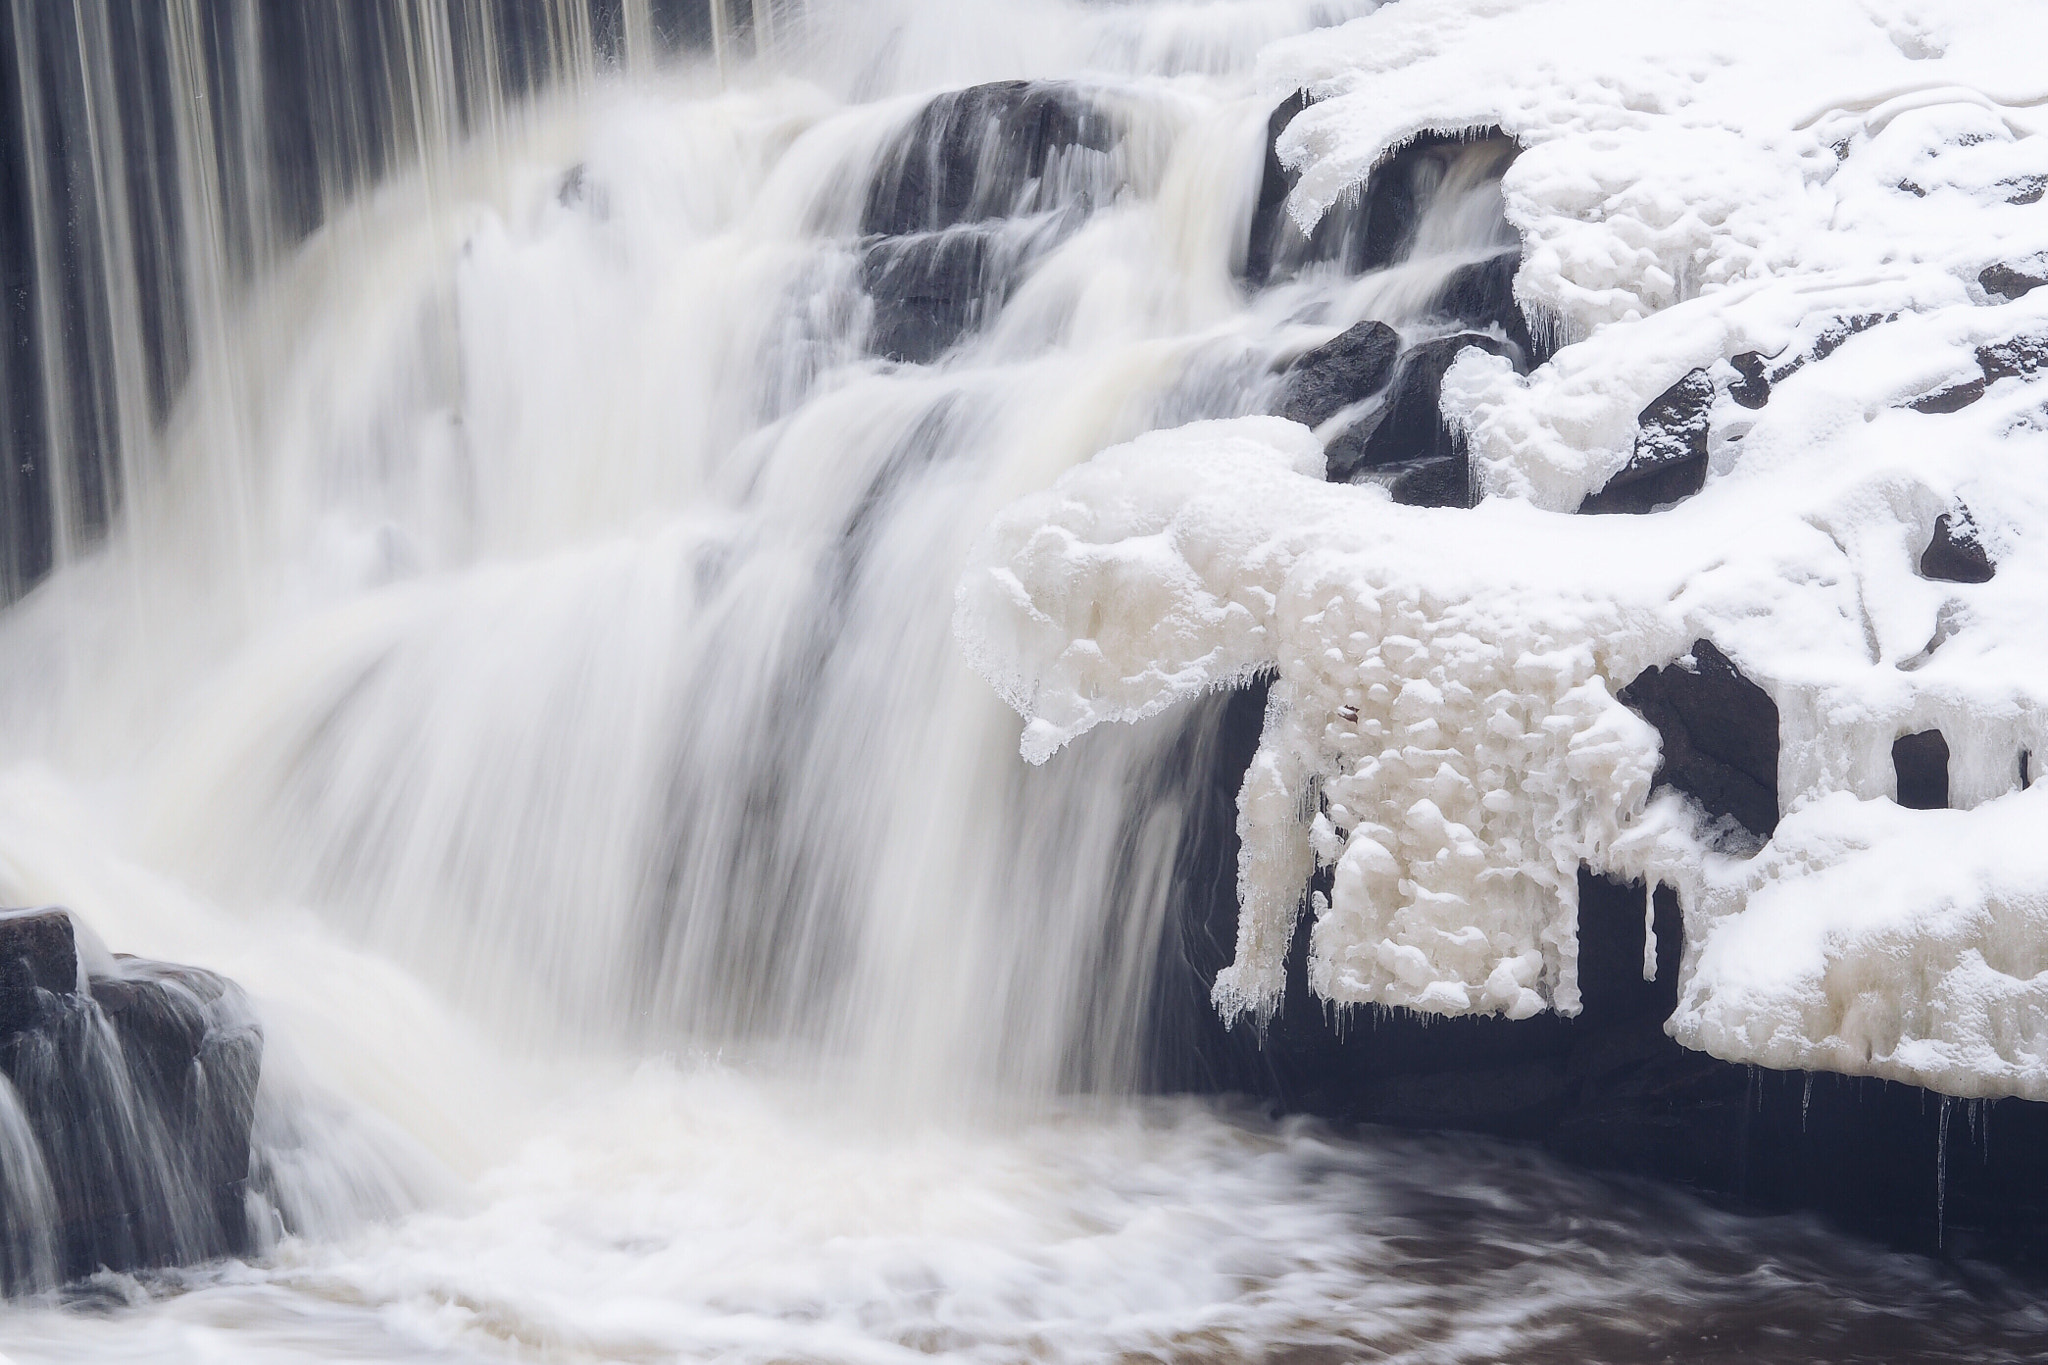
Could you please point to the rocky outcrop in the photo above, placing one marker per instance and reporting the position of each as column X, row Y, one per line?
column 1606, row 1089
column 979, row 185
column 132, row 1087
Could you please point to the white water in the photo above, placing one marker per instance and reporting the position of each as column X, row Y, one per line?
column 528, row 672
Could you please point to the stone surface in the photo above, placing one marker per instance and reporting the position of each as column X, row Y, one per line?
column 1670, row 457
column 140, row 1091
column 1955, row 553
column 928, row 290
column 1920, row 762
column 1352, row 366
column 1482, row 294
column 977, row 154
column 1409, row 426
column 2013, row 279
column 1719, row 733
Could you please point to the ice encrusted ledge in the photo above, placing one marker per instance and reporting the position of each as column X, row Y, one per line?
column 1829, row 186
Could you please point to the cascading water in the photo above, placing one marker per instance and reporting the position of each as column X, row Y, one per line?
column 508, row 631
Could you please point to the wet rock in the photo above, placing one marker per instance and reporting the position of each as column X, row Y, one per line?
column 1482, row 294
column 1270, row 224
column 2009, row 280
column 928, row 291
column 1956, row 553
column 1920, row 762
column 38, row 958
column 1347, row 369
column 139, row 1091
column 989, row 151
column 1719, row 732
column 1670, row 457
column 1401, row 188
column 1409, row 425
column 1377, row 228
column 1443, row 482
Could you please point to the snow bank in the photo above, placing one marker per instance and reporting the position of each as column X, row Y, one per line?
column 1826, row 184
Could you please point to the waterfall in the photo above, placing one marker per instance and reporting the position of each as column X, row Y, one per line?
column 483, row 496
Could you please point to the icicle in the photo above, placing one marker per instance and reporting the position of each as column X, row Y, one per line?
column 1650, row 929
column 1941, row 1175
column 1805, row 1100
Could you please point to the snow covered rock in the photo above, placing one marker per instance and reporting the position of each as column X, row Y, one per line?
column 1778, row 268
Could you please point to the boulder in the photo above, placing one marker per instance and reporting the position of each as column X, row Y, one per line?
column 1719, row 732
column 981, row 153
column 1482, row 295
column 928, row 290
column 1669, row 461
column 137, row 1085
column 1353, row 366
column 1409, row 425
column 1271, row 227
column 2013, row 279
column 1955, row 553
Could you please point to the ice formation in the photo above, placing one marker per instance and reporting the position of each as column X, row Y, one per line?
column 1832, row 212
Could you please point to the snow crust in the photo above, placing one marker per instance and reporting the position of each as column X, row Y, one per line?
column 1821, row 183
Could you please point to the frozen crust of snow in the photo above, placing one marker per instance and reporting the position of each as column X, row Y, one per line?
column 1821, row 183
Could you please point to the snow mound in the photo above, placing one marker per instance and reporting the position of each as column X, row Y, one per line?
column 1831, row 211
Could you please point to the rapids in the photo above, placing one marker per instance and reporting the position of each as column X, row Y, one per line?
column 520, row 656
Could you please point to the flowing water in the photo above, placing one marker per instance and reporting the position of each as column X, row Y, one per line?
column 502, row 621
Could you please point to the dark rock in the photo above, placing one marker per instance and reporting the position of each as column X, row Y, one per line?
column 2012, row 281
column 38, row 958
column 1376, row 229
column 2025, row 189
column 139, row 1093
column 1956, row 553
column 1921, row 764
column 981, row 153
column 1354, row 365
column 1954, row 398
column 1752, row 386
column 1606, row 1089
column 928, row 290
column 1720, row 735
column 1397, row 193
column 1840, row 330
column 1443, row 482
column 1670, row 457
column 1270, row 224
column 1409, row 426
column 2014, row 358
column 1482, row 294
